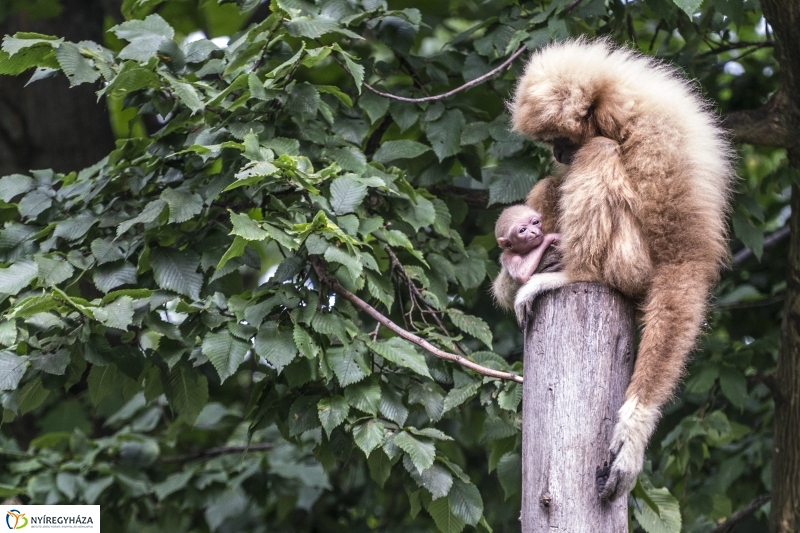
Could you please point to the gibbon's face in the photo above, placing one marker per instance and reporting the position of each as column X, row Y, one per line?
column 525, row 235
column 562, row 116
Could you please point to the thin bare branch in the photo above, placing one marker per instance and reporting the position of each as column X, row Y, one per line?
column 728, row 525
column 322, row 272
column 216, row 452
column 773, row 239
column 473, row 83
column 736, row 46
column 755, row 303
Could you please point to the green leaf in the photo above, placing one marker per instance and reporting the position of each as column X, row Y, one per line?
column 473, row 325
column 18, row 276
column 303, row 415
column 52, row 362
column 247, row 228
column 183, row 204
column 436, row 479
column 430, row 396
column 665, row 518
column 305, row 344
column 109, row 276
column 346, row 195
column 422, row 453
column 510, row 181
column 103, row 380
column 106, row 251
column 403, row 353
column 188, row 392
column 380, row 467
column 356, row 70
column 173, row 484
column 176, row 270
column 402, row 149
column 311, row 28
column 332, row 412
column 751, row 236
column 187, row 94
column 364, row 396
column 733, row 385
column 348, row 364
column 145, row 37
column 276, row 345
column 458, row 395
column 466, row 502
column 150, row 213
column 118, row 314
column 392, row 406
column 445, row 134
column 32, row 395
column 419, row 214
column 225, row 352
column 375, row 106
column 77, row 68
column 338, row 255
column 14, row 185
column 368, row 435
column 443, row 516
column 236, row 250
column 53, row 270
column 690, row 7
column 12, row 368
column 509, row 472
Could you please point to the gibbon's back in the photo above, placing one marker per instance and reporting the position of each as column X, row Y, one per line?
column 653, row 103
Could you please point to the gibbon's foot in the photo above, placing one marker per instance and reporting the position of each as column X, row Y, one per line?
column 538, row 284
column 635, row 424
column 601, row 476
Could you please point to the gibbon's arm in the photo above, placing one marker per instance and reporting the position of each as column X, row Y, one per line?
column 527, row 264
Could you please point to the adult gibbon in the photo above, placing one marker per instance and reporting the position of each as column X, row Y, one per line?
column 640, row 202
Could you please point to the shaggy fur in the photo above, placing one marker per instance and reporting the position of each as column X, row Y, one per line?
column 641, row 208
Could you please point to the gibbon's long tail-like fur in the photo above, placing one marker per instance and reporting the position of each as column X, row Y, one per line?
column 641, row 207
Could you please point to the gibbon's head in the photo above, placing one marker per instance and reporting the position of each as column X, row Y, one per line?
column 519, row 229
column 570, row 91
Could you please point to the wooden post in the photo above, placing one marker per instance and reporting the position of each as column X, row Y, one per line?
column 579, row 352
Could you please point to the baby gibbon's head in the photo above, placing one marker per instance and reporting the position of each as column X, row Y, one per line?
column 569, row 91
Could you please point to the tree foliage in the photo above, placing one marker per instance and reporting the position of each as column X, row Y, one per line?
column 177, row 344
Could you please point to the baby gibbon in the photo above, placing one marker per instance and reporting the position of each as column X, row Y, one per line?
column 640, row 201
column 518, row 231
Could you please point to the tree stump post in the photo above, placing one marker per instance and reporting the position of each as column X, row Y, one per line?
column 579, row 353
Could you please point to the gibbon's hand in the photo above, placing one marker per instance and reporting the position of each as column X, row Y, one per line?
column 635, row 424
column 538, row 284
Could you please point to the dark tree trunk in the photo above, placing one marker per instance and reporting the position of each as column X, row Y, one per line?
column 47, row 124
column 579, row 352
column 784, row 17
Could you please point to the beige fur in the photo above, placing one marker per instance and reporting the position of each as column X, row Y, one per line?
column 642, row 208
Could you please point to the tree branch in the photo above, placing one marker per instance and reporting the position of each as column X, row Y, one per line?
column 736, row 46
column 216, row 452
column 473, row 83
column 324, row 276
column 767, row 125
column 728, row 525
column 773, row 239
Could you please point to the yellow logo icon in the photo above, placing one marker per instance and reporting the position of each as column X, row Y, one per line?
column 19, row 520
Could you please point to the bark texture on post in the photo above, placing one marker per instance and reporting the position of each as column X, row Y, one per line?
column 579, row 353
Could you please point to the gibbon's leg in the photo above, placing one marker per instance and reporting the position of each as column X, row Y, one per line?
column 504, row 287
column 538, row 284
column 673, row 314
